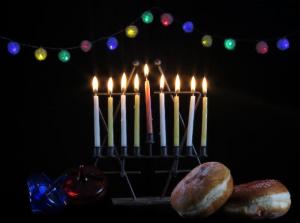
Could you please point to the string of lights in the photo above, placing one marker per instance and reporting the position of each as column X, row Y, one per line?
column 132, row 30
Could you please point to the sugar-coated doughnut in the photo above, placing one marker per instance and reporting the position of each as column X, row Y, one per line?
column 259, row 200
column 202, row 191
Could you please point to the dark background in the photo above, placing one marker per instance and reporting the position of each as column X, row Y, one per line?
column 253, row 120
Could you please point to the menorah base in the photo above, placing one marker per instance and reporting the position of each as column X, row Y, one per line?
column 141, row 201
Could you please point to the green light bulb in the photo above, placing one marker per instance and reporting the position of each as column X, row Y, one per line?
column 147, row 17
column 229, row 44
column 64, row 56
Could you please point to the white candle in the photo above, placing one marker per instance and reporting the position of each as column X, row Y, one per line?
column 123, row 112
column 176, row 113
column 162, row 115
column 110, row 112
column 204, row 114
column 96, row 113
column 136, row 112
column 189, row 140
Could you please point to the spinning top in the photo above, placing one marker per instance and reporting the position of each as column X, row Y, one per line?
column 85, row 185
column 45, row 195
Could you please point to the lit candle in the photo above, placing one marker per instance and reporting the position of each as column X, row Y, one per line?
column 162, row 114
column 176, row 113
column 148, row 102
column 136, row 112
column 204, row 114
column 110, row 111
column 123, row 112
column 96, row 113
column 189, row 140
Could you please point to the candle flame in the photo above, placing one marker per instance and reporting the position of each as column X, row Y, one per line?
column 136, row 82
column 193, row 84
column 146, row 70
column 95, row 84
column 123, row 82
column 110, row 85
column 204, row 86
column 162, row 82
column 177, row 83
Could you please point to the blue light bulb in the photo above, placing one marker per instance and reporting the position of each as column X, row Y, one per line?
column 283, row 44
column 112, row 43
column 188, row 27
column 13, row 48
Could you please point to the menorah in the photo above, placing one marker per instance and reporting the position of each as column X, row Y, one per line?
column 122, row 154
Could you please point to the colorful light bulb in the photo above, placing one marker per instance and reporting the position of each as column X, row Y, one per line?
column 166, row 19
column 283, row 44
column 13, row 48
column 112, row 43
column 207, row 41
column 40, row 54
column 262, row 47
column 188, row 27
column 229, row 44
column 147, row 17
column 64, row 56
column 131, row 31
column 85, row 46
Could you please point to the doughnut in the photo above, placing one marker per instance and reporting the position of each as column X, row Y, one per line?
column 202, row 191
column 260, row 199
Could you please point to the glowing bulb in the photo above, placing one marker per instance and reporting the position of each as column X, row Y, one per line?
column 146, row 70
column 110, row 85
column 193, row 84
column 229, row 44
column 112, row 43
column 147, row 17
column 207, row 41
column 85, row 46
column 13, row 48
column 283, row 44
column 262, row 47
column 188, row 27
column 64, row 56
column 131, row 31
column 136, row 82
column 166, row 19
column 123, row 82
column 95, row 84
column 204, row 86
column 162, row 82
column 40, row 54
column 177, row 84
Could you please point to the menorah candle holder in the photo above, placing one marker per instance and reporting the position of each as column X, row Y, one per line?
column 175, row 154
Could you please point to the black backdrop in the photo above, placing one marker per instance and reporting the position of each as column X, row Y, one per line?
column 253, row 122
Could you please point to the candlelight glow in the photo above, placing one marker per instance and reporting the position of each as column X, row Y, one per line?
column 204, row 86
column 95, row 84
column 177, row 83
column 162, row 82
column 146, row 70
column 110, row 85
column 193, row 84
column 123, row 82
column 136, row 82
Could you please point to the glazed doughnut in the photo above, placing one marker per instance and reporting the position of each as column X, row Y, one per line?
column 259, row 200
column 202, row 191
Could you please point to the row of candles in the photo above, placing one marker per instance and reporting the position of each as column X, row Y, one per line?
column 163, row 141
